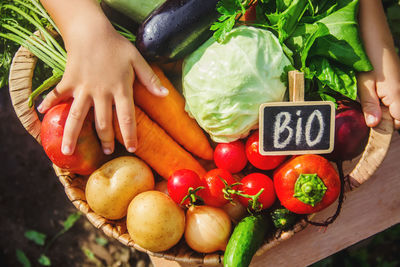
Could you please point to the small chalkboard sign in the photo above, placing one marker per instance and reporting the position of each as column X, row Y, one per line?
column 293, row 128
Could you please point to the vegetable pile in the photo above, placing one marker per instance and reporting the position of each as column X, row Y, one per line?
column 219, row 195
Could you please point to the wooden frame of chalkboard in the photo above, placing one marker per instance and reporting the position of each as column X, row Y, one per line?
column 299, row 136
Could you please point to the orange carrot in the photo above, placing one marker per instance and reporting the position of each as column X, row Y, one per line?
column 169, row 112
column 158, row 149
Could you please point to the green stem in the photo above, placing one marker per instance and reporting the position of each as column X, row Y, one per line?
column 191, row 195
column 50, row 243
column 39, row 9
column 54, row 79
column 42, row 56
column 309, row 189
column 44, row 14
column 30, row 19
column 39, row 43
column 254, row 204
column 124, row 32
column 36, row 7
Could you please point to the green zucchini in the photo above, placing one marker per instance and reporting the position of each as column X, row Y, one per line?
column 246, row 238
column 137, row 10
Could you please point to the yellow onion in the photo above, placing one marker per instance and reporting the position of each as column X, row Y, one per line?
column 207, row 228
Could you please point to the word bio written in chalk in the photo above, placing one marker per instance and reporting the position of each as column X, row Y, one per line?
column 293, row 128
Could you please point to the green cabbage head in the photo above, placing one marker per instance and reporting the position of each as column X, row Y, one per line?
column 225, row 83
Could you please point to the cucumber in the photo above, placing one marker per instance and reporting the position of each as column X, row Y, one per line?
column 283, row 218
column 137, row 10
column 246, row 238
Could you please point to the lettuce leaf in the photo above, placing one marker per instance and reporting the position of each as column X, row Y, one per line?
column 323, row 38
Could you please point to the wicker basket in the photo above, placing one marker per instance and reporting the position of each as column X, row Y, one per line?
column 20, row 85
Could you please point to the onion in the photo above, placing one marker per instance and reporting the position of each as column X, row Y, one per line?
column 235, row 210
column 207, row 229
column 162, row 186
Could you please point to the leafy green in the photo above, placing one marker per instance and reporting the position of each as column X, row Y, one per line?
column 22, row 258
column 323, row 38
column 91, row 256
column 393, row 16
column 101, row 241
column 287, row 16
column 44, row 47
column 71, row 220
column 341, row 79
column 44, row 260
column 8, row 47
column 230, row 11
column 342, row 42
column 37, row 237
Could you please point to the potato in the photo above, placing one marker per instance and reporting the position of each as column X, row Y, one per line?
column 112, row 187
column 154, row 221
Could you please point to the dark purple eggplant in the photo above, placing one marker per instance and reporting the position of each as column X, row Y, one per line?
column 176, row 29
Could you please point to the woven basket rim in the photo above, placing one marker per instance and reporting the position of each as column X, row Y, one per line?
column 20, row 86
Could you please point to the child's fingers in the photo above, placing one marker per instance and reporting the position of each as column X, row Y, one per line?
column 103, row 122
column 127, row 122
column 147, row 76
column 57, row 95
column 394, row 107
column 397, row 124
column 76, row 116
column 369, row 100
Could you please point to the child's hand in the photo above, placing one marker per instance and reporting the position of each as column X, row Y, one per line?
column 100, row 71
column 380, row 85
column 383, row 83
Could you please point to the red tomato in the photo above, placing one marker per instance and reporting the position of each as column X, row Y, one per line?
column 256, row 159
column 252, row 184
column 88, row 155
column 312, row 196
column 179, row 183
column 230, row 156
column 213, row 194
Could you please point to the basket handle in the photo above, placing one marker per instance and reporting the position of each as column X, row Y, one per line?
column 375, row 151
column 20, row 86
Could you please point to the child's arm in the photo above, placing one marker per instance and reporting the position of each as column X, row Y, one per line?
column 384, row 81
column 101, row 67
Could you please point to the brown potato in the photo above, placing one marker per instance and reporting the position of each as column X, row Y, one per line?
column 112, row 187
column 154, row 221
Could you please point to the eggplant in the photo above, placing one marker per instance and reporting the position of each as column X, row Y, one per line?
column 176, row 29
column 119, row 18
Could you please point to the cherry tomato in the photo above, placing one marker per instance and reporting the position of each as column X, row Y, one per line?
column 256, row 159
column 179, row 184
column 213, row 194
column 230, row 156
column 252, row 184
